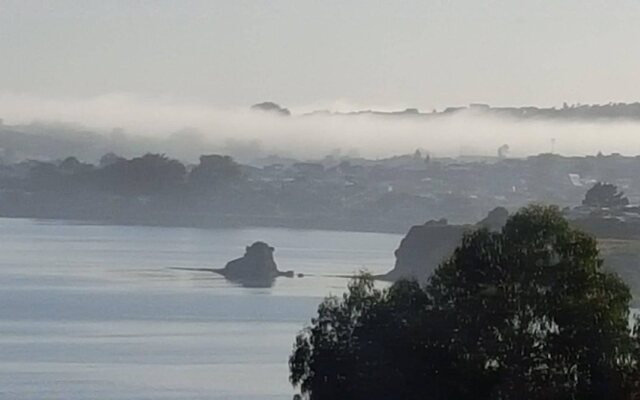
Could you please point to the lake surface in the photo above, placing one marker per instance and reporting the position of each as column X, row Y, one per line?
column 99, row 312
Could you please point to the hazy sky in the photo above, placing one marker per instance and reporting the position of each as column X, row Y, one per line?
column 320, row 53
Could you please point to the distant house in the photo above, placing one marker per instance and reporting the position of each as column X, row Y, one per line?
column 575, row 180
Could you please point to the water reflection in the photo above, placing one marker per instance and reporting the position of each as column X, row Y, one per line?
column 105, row 312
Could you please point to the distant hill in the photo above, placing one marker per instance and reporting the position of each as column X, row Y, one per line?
column 625, row 111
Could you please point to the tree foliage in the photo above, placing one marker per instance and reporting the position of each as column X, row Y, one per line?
column 215, row 171
column 524, row 313
column 269, row 106
column 149, row 174
column 605, row 195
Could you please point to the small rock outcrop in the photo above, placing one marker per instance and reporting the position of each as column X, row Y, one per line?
column 426, row 246
column 256, row 268
column 423, row 248
column 495, row 220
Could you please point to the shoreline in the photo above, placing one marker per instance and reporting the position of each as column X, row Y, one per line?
column 223, row 222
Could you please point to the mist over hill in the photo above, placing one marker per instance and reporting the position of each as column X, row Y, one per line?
column 129, row 125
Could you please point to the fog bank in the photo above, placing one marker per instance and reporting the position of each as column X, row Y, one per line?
column 190, row 129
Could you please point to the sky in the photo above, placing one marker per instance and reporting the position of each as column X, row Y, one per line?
column 349, row 54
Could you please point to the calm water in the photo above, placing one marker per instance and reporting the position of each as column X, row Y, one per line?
column 98, row 312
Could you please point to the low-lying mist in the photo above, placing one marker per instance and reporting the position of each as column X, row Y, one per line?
column 185, row 130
